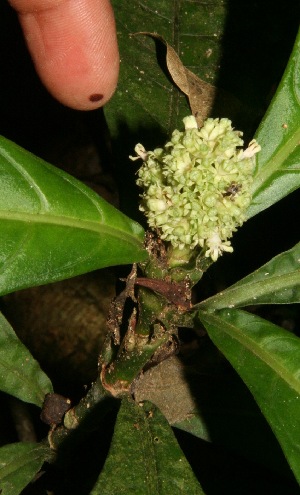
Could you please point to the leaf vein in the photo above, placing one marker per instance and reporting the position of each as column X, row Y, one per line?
column 31, row 182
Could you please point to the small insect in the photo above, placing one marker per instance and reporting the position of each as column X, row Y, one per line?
column 232, row 190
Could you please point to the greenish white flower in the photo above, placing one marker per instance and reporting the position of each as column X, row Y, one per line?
column 197, row 188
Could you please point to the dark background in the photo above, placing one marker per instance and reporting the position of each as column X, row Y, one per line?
column 257, row 41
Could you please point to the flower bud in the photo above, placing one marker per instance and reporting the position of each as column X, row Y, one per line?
column 196, row 189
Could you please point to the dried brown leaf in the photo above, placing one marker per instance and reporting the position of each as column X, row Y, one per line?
column 200, row 94
column 163, row 385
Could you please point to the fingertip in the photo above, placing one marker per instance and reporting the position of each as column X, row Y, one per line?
column 75, row 52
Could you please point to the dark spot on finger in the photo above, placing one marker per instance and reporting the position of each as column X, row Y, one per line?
column 96, row 97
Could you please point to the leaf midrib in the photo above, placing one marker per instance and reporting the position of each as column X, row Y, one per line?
column 75, row 223
column 275, row 162
column 258, row 351
column 252, row 289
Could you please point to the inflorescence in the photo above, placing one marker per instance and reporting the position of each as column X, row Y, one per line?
column 197, row 188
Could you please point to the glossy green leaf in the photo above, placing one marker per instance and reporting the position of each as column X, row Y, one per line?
column 145, row 457
column 234, row 428
column 276, row 282
column 268, row 360
column 215, row 41
column 223, row 412
column 19, row 463
column 146, row 97
column 278, row 163
column 20, row 374
column 201, row 394
column 53, row 227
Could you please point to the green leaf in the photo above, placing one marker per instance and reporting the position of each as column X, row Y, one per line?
column 268, row 360
column 145, row 97
column 145, row 457
column 244, row 431
column 53, row 227
column 223, row 410
column 278, row 163
column 276, row 282
column 204, row 396
column 20, row 374
column 19, row 462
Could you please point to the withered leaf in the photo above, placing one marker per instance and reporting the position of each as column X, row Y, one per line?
column 162, row 385
column 200, row 94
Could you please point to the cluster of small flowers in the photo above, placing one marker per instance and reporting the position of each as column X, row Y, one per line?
column 197, row 188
